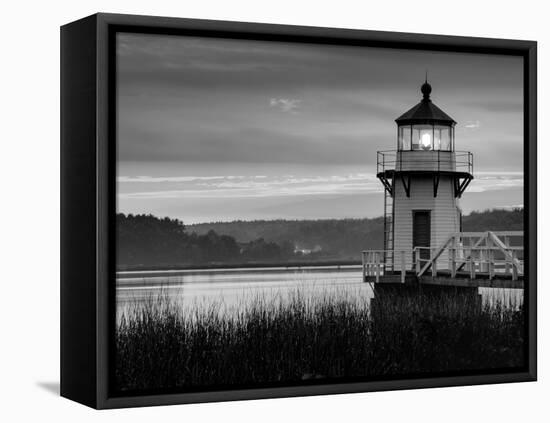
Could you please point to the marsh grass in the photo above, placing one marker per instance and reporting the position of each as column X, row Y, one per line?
column 295, row 337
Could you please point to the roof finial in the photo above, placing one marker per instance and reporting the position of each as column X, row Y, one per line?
column 426, row 88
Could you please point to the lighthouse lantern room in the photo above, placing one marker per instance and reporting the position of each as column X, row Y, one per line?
column 423, row 181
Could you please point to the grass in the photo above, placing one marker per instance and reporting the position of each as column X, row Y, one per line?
column 299, row 337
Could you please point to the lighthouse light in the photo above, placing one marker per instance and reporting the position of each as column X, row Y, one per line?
column 426, row 141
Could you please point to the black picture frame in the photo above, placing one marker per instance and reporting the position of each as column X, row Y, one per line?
column 88, row 191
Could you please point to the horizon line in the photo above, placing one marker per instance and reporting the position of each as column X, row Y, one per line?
column 503, row 208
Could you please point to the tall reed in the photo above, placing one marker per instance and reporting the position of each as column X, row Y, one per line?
column 296, row 337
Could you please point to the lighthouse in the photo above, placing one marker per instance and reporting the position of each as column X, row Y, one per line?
column 423, row 179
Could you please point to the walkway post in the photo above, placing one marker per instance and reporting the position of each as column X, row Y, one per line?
column 377, row 264
column 364, row 266
column 434, row 265
column 403, row 270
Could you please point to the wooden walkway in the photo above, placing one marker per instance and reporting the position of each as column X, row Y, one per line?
column 461, row 279
column 466, row 259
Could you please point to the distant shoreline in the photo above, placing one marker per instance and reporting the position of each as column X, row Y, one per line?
column 147, row 243
column 194, row 225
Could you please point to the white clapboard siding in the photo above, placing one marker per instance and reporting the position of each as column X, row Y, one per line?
column 426, row 160
column 444, row 210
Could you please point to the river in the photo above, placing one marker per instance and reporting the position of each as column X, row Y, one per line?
column 235, row 287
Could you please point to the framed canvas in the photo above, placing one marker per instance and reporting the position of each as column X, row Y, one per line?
column 258, row 211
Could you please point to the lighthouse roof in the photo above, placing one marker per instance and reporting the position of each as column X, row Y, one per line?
column 425, row 112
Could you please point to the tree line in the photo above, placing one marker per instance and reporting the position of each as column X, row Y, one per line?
column 146, row 240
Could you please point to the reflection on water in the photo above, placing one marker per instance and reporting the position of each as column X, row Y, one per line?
column 235, row 287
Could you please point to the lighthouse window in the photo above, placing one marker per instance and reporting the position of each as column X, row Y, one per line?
column 404, row 138
column 443, row 138
column 423, row 137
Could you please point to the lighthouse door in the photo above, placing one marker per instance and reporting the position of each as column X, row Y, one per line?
column 422, row 232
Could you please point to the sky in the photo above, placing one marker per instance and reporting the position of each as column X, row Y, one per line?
column 213, row 129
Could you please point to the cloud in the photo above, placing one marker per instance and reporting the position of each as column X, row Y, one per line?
column 152, row 179
column 496, row 174
column 495, row 181
column 287, row 105
column 472, row 124
column 255, row 186
column 262, row 186
column 211, row 100
column 258, row 192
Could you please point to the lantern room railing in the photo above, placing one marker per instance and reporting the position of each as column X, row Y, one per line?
column 433, row 160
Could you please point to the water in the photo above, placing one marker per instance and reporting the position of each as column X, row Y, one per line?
column 235, row 287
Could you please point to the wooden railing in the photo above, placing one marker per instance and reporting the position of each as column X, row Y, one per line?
column 374, row 264
column 488, row 253
column 491, row 254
